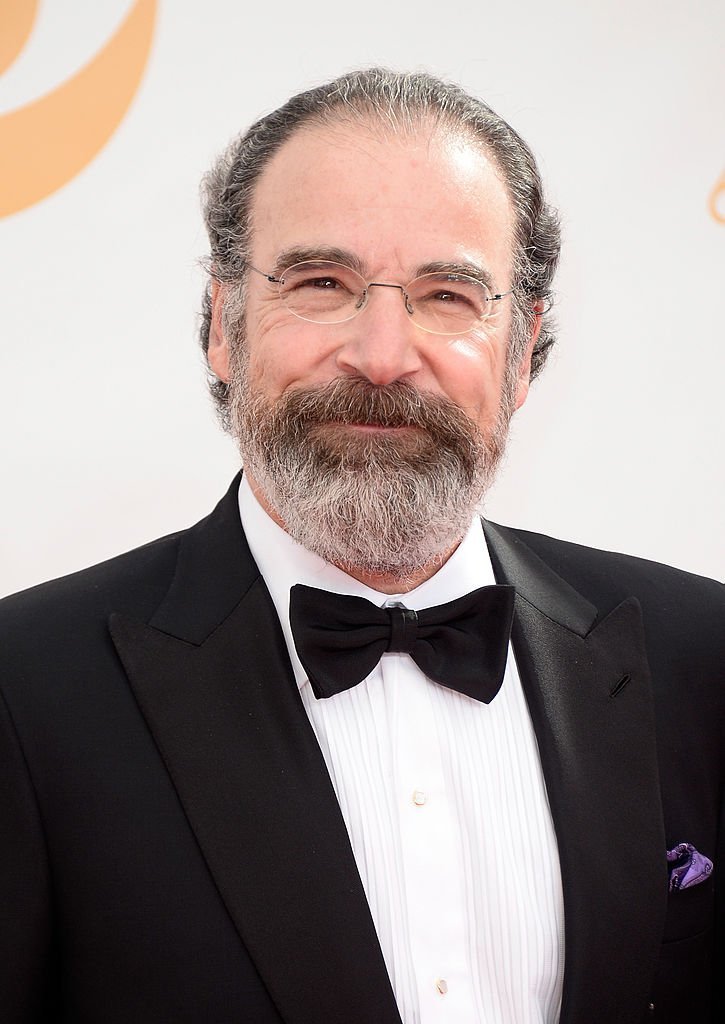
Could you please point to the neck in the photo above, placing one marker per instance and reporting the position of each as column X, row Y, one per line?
column 384, row 583
column 390, row 583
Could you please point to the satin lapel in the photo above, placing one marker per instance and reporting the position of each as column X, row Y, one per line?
column 588, row 688
column 217, row 691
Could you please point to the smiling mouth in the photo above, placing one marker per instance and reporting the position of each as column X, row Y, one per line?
column 378, row 426
column 362, row 428
column 344, row 428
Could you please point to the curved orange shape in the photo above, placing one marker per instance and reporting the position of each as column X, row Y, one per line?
column 16, row 21
column 47, row 142
column 717, row 200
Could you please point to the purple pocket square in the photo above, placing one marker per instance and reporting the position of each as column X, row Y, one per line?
column 687, row 867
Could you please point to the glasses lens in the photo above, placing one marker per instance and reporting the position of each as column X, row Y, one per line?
column 322, row 292
column 448, row 303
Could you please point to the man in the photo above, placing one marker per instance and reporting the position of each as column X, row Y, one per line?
column 283, row 769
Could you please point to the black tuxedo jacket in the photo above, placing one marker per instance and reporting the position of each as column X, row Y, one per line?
column 172, row 849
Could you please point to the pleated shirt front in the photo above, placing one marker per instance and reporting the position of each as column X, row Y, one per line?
column 445, row 805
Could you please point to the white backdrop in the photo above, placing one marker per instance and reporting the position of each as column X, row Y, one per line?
column 108, row 436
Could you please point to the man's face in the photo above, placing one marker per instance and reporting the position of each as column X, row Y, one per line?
column 396, row 205
column 393, row 206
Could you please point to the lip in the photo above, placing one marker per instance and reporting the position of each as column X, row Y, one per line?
column 377, row 430
column 376, row 427
column 369, row 428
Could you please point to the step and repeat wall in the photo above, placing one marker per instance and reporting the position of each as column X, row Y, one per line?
column 110, row 112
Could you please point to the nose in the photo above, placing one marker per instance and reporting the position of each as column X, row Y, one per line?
column 381, row 342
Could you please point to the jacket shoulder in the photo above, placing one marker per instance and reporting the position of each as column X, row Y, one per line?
column 134, row 582
column 608, row 577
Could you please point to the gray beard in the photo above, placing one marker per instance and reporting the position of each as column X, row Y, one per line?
column 384, row 504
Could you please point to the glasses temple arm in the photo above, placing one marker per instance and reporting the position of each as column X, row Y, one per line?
column 270, row 277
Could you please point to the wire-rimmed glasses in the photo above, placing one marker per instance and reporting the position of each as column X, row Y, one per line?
column 324, row 292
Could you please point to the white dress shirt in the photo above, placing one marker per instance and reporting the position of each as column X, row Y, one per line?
column 445, row 805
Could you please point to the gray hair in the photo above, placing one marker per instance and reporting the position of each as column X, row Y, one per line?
column 401, row 103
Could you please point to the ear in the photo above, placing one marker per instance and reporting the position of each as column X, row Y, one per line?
column 524, row 369
column 218, row 354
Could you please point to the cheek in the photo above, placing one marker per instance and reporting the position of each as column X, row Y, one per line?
column 473, row 374
column 268, row 344
column 285, row 353
column 483, row 350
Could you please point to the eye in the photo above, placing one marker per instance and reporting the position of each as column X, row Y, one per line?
column 317, row 278
column 456, row 296
column 449, row 296
column 318, row 282
column 329, row 283
column 322, row 292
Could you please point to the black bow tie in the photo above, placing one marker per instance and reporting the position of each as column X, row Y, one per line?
column 462, row 645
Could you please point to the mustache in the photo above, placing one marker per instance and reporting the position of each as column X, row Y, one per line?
column 355, row 400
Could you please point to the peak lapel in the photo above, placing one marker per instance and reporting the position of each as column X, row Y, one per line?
column 588, row 690
column 212, row 677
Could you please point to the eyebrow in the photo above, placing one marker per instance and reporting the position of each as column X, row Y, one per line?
column 313, row 254
column 332, row 254
column 478, row 273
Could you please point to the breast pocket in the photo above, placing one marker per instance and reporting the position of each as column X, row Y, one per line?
column 684, row 980
column 690, row 911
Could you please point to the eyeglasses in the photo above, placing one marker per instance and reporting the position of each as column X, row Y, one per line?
column 323, row 292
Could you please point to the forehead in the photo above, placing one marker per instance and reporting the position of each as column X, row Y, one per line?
column 395, row 201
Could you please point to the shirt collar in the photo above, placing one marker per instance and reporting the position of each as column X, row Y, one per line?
column 283, row 562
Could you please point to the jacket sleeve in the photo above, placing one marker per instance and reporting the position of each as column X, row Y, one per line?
column 25, row 919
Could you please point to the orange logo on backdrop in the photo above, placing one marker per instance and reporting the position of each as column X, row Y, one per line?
column 47, row 142
column 717, row 200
